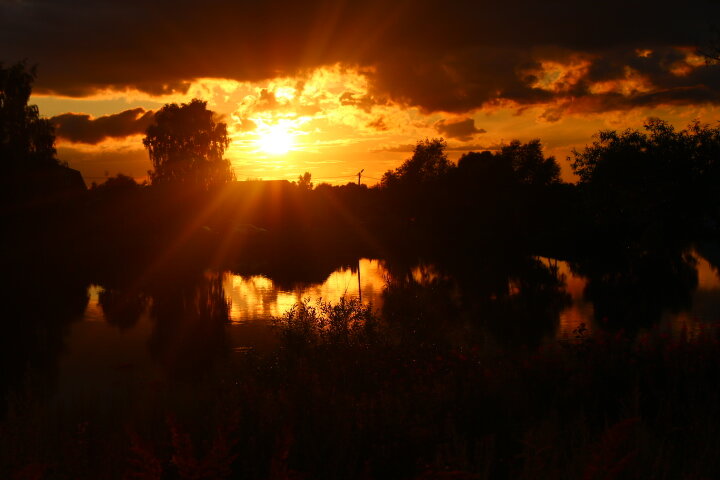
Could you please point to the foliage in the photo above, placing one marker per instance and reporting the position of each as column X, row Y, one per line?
column 529, row 164
column 305, row 181
column 516, row 162
column 26, row 140
column 120, row 182
column 658, row 180
column 598, row 406
column 429, row 161
column 658, row 153
column 486, row 167
column 349, row 321
column 186, row 146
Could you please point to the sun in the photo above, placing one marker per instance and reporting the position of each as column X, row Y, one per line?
column 276, row 140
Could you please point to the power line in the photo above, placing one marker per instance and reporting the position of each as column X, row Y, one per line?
column 339, row 176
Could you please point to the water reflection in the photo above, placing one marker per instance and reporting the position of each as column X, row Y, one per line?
column 184, row 327
column 520, row 302
column 190, row 317
column 38, row 314
column 633, row 290
column 704, row 313
column 579, row 313
column 121, row 309
column 257, row 298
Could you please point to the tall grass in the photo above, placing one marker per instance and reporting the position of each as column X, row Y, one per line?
column 341, row 398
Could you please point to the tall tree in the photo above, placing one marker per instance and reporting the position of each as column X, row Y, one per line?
column 529, row 164
column 658, row 179
column 186, row 146
column 26, row 140
column 305, row 181
column 429, row 161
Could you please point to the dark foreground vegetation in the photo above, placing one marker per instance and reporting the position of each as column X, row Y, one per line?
column 347, row 395
column 453, row 378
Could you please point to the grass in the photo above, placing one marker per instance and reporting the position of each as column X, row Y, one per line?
column 348, row 397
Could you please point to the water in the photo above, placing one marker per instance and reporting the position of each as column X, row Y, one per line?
column 102, row 359
column 113, row 349
column 117, row 356
column 257, row 299
column 704, row 308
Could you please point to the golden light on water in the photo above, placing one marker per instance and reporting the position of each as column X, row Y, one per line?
column 258, row 298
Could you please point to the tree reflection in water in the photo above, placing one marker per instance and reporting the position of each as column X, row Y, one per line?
column 191, row 315
column 120, row 308
column 38, row 316
column 632, row 290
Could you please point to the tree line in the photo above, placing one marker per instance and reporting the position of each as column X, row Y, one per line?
column 637, row 188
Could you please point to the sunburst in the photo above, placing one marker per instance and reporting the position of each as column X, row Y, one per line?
column 276, row 140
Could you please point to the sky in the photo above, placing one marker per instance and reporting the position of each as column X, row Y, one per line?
column 335, row 86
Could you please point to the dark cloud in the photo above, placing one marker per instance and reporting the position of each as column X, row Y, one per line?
column 363, row 102
column 403, row 147
column 267, row 101
column 474, row 148
column 378, row 124
column 96, row 166
column 410, row 147
column 462, row 130
column 437, row 55
column 81, row 128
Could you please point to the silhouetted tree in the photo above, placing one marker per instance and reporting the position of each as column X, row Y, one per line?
column 655, row 182
column 529, row 164
column 186, row 146
column 304, row 181
column 429, row 161
column 117, row 183
column 26, row 140
column 486, row 168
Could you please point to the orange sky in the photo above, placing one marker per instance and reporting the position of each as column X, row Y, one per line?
column 325, row 122
column 335, row 86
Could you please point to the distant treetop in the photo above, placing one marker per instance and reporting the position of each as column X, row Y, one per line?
column 305, row 181
column 529, row 164
column 659, row 150
column 515, row 163
column 429, row 161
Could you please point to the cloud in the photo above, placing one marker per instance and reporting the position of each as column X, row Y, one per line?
column 364, row 102
column 462, row 130
column 399, row 148
column 246, row 125
column 410, row 147
column 81, row 128
column 474, row 148
column 439, row 56
column 266, row 101
column 97, row 165
column 378, row 124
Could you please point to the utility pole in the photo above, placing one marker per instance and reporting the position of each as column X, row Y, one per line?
column 360, row 175
column 359, row 285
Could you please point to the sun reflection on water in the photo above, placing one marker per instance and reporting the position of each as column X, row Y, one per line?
column 93, row 310
column 258, row 298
